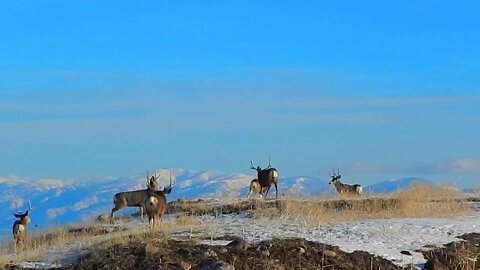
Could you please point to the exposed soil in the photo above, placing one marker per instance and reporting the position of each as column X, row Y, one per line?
column 456, row 255
column 273, row 254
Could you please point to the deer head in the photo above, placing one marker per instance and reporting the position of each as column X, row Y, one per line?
column 23, row 217
column 335, row 176
column 152, row 181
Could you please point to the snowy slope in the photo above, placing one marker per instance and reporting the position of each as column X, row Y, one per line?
column 60, row 202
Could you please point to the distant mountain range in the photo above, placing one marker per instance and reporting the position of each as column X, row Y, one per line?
column 58, row 202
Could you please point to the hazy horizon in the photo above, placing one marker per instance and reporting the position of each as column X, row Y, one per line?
column 380, row 90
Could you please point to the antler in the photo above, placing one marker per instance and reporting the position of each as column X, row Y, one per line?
column 251, row 165
column 16, row 207
column 148, row 178
column 269, row 165
column 338, row 173
column 168, row 189
column 174, row 182
column 332, row 175
column 29, row 206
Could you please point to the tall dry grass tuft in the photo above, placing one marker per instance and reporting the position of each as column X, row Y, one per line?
column 413, row 202
column 431, row 201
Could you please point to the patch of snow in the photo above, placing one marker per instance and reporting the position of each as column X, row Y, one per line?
column 383, row 237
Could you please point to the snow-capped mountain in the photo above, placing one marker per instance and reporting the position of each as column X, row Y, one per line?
column 59, row 202
column 394, row 185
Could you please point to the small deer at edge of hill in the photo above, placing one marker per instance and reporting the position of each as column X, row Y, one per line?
column 19, row 228
column 344, row 189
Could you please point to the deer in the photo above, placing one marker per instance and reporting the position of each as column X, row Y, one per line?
column 134, row 198
column 266, row 177
column 256, row 188
column 19, row 228
column 344, row 189
column 156, row 204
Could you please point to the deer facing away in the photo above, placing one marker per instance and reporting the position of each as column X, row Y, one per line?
column 134, row 198
column 156, row 204
column 266, row 177
column 19, row 228
column 345, row 189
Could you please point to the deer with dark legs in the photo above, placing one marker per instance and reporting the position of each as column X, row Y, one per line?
column 344, row 189
column 266, row 177
column 156, row 204
column 19, row 228
column 134, row 198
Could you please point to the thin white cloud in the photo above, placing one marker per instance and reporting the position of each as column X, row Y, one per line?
column 455, row 166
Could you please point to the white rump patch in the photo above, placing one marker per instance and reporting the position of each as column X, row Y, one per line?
column 275, row 174
column 359, row 189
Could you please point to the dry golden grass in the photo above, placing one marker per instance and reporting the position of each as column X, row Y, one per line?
column 186, row 220
column 38, row 241
column 415, row 201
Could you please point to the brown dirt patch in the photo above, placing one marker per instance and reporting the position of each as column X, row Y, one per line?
column 456, row 255
column 273, row 254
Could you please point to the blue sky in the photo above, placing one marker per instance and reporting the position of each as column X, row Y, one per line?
column 379, row 89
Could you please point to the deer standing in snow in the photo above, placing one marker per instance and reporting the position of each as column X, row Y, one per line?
column 134, row 198
column 156, row 204
column 19, row 228
column 266, row 177
column 344, row 189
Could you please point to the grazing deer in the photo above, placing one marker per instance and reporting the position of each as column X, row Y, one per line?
column 344, row 189
column 134, row 198
column 19, row 228
column 266, row 177
column 156, row 204
column 256, row 188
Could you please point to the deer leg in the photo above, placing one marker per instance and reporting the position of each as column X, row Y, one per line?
column 141, row 213
column 112, row 215
column 266, row 192
column 276, row 191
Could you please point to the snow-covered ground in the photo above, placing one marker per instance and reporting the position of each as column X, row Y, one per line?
column 383, row 237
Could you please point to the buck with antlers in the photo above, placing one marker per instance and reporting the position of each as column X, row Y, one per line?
column 266, row 177
column 344, row 189
column 19, row 228
column 135, row 198
column 156, row 204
